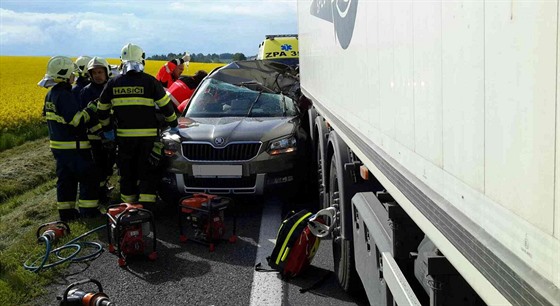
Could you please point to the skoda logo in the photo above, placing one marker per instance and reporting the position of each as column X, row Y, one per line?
column 219, row 141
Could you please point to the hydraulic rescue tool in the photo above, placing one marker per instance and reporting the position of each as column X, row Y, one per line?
column 50, row 233
column 203, row 215
column 77, row 297
column 129, row 226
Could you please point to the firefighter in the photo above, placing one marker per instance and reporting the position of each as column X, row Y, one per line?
column 172, row 70
column 82, row 79
column 99, row 72
column 68, row 142
column 133, row 97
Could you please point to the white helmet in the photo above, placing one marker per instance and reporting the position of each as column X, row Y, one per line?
column 98, row 62
column 82, row 62
column 59, row 69
column 132, row 57
column 132, row 53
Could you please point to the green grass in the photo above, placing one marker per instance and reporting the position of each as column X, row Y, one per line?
column 27, row 200
column 15, row 137
column 25, row 167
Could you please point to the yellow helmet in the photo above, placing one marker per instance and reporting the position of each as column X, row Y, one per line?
column 99, row 62
column 132, row 53
column 82, row 62
column 60, row 68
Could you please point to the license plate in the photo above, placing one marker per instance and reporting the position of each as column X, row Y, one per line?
column 217, row 170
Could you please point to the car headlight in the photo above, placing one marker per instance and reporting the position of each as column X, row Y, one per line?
column 284, row 145
column 171, row 144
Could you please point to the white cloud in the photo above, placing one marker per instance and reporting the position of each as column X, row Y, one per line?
column 160, row 27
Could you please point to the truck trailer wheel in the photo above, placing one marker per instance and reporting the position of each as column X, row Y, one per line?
column 321, row 190
column 343, row 249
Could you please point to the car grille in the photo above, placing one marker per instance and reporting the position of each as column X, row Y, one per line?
column 241, row 182
column 231, row 152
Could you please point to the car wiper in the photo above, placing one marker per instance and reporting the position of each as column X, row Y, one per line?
column 254, row 102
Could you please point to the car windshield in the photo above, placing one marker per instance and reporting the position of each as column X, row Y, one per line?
column 215, row 98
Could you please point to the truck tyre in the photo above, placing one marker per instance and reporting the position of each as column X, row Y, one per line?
column 343, row 249
column 319, row 155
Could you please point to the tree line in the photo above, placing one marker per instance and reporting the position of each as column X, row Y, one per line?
column 202, row 58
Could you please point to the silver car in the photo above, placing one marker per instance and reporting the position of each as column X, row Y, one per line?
column 240, row 134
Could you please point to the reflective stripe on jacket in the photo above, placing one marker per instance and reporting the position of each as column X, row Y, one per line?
column 133, row 98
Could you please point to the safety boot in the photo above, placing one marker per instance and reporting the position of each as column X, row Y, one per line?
column 67, row 215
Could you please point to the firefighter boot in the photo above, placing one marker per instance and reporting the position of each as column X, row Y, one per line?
column 68, row 214
column 89, row 212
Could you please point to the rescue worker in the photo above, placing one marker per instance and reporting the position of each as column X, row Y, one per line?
column 68, row 142
column 99, row 72
column 83, row 77
column 172, row 70
column 181, row 91
column 133, row 97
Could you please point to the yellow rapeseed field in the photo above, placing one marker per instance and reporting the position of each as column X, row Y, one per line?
column 21, row 100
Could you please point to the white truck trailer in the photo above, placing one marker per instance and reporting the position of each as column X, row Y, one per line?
column 436, row 129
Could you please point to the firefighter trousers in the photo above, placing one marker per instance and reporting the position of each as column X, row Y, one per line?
column 104, row 159
column 76, row 175
column 138, row 178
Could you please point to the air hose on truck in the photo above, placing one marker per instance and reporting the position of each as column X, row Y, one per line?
column 48, row 234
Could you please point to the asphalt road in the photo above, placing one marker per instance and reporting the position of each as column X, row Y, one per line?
column 188, row 274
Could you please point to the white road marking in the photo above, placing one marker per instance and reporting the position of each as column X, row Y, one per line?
column 267, row 286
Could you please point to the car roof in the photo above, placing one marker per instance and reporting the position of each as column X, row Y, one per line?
column 275, row 76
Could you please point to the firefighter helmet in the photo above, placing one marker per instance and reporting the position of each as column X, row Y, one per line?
column 82, row 63
column 99, row 62
column 60, row 68
column 132, row 53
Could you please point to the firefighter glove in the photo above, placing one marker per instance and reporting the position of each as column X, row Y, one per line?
column 110, row 135
column 155, row 155
column 174, row 130
column 92, row 105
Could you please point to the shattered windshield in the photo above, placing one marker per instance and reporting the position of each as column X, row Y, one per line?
column 220, row 99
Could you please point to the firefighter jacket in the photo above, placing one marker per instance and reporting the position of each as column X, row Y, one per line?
column 90, row 93
column 66, row 119
column 81, row 82
column 133, row 98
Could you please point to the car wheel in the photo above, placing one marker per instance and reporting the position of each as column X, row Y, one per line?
column 343, row 249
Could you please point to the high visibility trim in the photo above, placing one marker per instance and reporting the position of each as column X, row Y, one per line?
column 283, row 249
column 105, row 122
column 65, row 205
column 163, row 101
column 95, row 128
column 78, row 116
column 54, row 117
column 158, row 146
column 68, row 145
column 128, row 198
column 173, row 117
column 174, row 100
column 103, row 106
column 93, row 137
column 137, row 132
column 88, row 203
column 147, row 198
column 139, row 101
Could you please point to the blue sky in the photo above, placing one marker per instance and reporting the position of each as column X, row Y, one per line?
column 101, row 28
